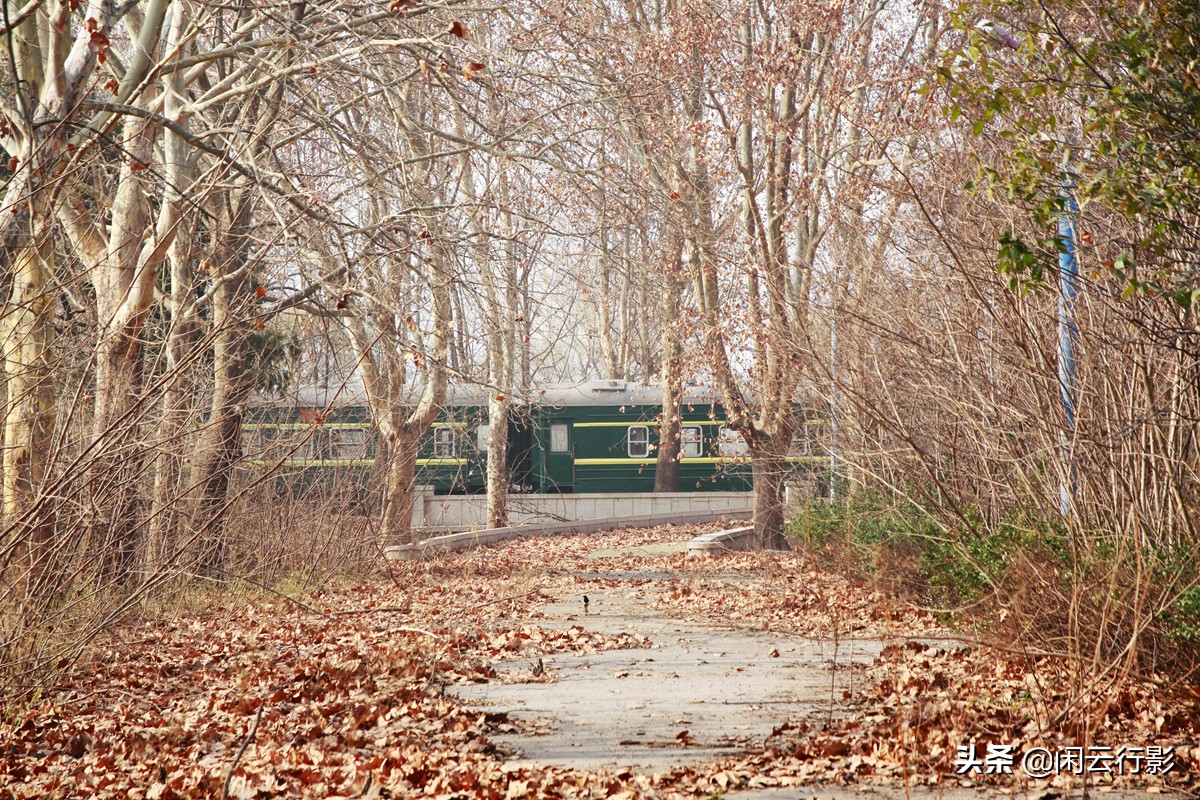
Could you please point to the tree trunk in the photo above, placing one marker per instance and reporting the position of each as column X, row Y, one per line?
column 398, row 494
column 166, row 516
column 118, row 381
column 666, row 471
column 499, row 317
column 382, row 363
column 167, row 508
column 167, row 511
column 123, row 259
column 604, row 314
column 497, row 461
column 50, row 76
column 220, row 446
column 29, row 411
column 115, row 478
column 768, row 461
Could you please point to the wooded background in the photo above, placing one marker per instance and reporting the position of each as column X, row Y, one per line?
column 861, row 200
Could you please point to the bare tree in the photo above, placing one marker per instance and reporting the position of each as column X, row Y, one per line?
column 52, row 66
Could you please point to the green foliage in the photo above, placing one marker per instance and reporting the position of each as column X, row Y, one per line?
column 1113, row 88
column 1177, row 567
column 893, row 540
column 897, row 541
column 962, row 572
column 1027, row 268
column 1183, row 618
column 899, row 546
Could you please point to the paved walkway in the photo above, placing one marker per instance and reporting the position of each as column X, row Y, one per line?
column 699, row 692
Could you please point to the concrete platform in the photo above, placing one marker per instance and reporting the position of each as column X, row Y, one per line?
column 713, row 544
column 469, row 512
column 468, row 539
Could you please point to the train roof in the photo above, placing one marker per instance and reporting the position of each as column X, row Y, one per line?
column 348, row 394
column 604, row 392
column 352, row 394
column 617, row 393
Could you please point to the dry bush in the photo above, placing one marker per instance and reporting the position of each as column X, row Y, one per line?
column 949, row 398
column 304, row 536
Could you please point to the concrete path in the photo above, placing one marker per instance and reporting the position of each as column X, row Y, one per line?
column 699, row 692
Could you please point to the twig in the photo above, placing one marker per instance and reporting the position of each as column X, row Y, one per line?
column 378, row 609
column 433, row 669
column 406, row 629
column 502, row 599
column 241, row 751
column 276, row 592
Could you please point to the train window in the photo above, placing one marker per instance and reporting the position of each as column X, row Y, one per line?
column 730, row 443
column 558, row 438
column 443, row 443
column 286, row 444
column 297, row 449
column 638, row 442
column 347, row 443
column 253, row 444
column 481, row 437
column 691, row 441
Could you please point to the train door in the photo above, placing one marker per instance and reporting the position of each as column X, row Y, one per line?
column 558, row 474
column 520, row 454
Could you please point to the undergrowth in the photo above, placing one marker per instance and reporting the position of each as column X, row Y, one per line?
column 1019, row 580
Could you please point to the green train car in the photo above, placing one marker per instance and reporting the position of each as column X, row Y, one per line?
column 603, row 436
column 595, row 436
column 321, row 441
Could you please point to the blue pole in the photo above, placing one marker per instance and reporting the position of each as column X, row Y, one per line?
column 1068, row 335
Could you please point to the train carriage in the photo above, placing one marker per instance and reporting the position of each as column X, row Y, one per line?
column 315, row 443
column 316, row 437
column 603, row 436
column 595, row 436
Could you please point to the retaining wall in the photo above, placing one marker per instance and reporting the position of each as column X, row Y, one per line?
column 468, row 539
column 469, row 512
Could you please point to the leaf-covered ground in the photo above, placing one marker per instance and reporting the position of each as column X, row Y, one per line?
column 343, row 693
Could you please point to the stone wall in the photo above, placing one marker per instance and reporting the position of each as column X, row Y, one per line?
column 468, row 512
